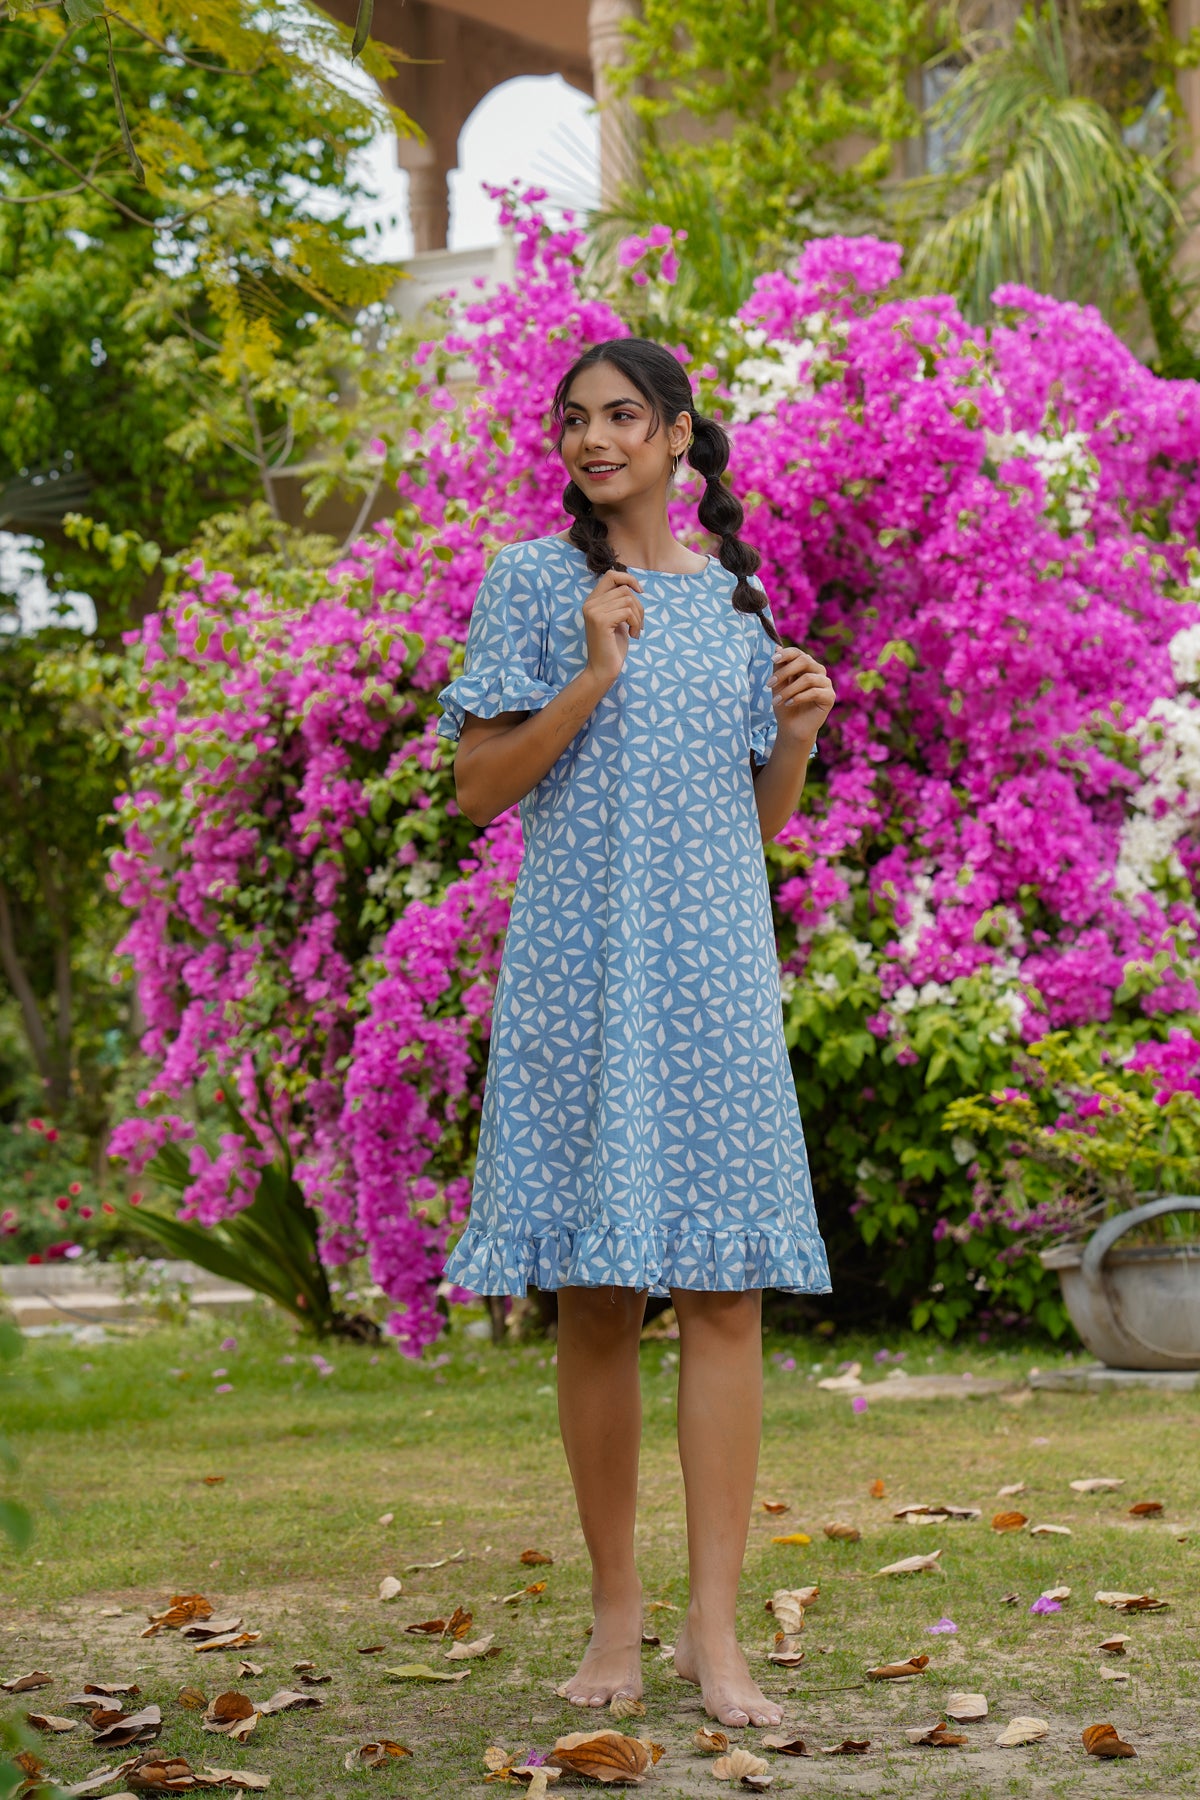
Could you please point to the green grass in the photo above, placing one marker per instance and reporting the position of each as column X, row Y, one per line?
column 116, row 1440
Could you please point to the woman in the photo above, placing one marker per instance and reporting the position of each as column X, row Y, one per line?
column 639, row 1132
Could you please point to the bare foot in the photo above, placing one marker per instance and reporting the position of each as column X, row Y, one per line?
column 715, row 1663
column 612, row 1663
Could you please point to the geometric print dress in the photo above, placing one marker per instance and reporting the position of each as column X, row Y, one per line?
column 639, row 1126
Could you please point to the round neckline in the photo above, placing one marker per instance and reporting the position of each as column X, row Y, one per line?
column 633, row 569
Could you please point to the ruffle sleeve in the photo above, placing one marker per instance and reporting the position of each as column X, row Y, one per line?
column 764, row 726
column 504, row 650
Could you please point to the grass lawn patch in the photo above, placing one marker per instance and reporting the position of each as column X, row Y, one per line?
column 161, row 1463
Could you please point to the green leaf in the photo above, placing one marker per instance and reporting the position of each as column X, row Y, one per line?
column 80, row 11
column 362, row 28
column 16, row 1524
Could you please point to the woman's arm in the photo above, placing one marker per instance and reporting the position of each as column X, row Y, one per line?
column 802, row 698
column 501, row 760
column 779, row 783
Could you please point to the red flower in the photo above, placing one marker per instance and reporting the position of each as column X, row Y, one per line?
column 36, row 1125
column 62, row 1203
column 33, row 1259
column 108, row 1206
column 76, row 1187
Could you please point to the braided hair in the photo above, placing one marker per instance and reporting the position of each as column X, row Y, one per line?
column 660, row 379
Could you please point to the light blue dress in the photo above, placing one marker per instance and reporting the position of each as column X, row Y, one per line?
column 639, row 1126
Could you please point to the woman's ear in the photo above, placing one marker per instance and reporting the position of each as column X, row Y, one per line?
column 680, row 435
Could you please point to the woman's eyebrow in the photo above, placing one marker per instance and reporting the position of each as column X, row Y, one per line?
column 609, row 405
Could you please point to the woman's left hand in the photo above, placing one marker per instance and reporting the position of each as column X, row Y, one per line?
column 802, row 694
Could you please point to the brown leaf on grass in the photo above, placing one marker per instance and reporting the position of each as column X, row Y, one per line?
column 226, row 1710
column 877, row 1491
column 842, row 1533
column 212, row 1480
column 159, row 1774
column 132, row 1728
column 429, row 1627
column 787, row 1653
column 916, row 1514
column 458, row 1556
column 230, row 1778
column 30, row 1764
column 1115, row 1645
column 966, row 1709
column 1062, row 1593
column 458, row 1625
column 1009, row 1521
column 1106, row 1740
column 534, row 1559
column 1098, row 1484
column 422, row 1672
column 374, row 1755
column 287, row 1700
column 191, row 1699
column 651, row 1640
column 1108, row 1674
column 775, row 1507
column 101, row 1716
column 92, row 1784
column 847, row 1747
column 209, row 1628
column 459, row 1652
column 912, row 1565
column 304, row 1667
column 371, row 1649
column 1012, row 1490
column 233, row 1640
column 526, row 1593
column 25, row 1684
column 1022, row 1730
column 738, row 1764
column 50, row 1722
column 1131, row 1603
column 1010, row 1599
column 182, row 1610
column 626, row 1706
column 1145, row 1509
column 1049, row 1531
column 602, row 1755
column 390, row 1588
column 127, row 1689
column 939, row 1735
column 786, row 1744
column 248, row 1668
column 788, row 1606
column 916, row 1665
column 385, row 1518
column 710, row 1742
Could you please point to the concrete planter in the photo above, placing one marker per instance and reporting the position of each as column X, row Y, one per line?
column 1134, row 1308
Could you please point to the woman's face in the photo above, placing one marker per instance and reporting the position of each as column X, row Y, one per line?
column 605, row 446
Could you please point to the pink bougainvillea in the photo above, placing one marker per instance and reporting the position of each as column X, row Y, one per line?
column 990, row 535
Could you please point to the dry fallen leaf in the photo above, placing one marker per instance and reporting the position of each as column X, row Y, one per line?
column 225, row 1711
column 51, row 1722
column 385, row 1518
column 127, row 1689
column 788, row 1606
column 231, row 1778
column 786, row 1744
column 1061, row 1594
column 91, row 1784
column 423, row 1672
column 526, row 1593
column 458, row 1556
column 29, row 1764
column 372, row 1756
column 651, row 1640
column 602, row 1755
column 898, row 1671
column 305, row 1666
column 786, row 1653
column 390, row 1588
column 1131, row 1603
column 25, row 1684
column 939, row 1735
column 462, row 1652
column 1010, row 1599
column 1009, row 1521
column 534, row 1558
column 249, row 1668
column 793, row 1537
column 626, row 1706
column 132, row 1728
column 287, row 1699
column 966, row 1709
column 912, row 1565
column 156, row 1773
column 430, row 1627
column 209, row 1628
column 710, row 1742
column 183, row 1609
column 1105, row 1740
column 776, row 1506
column 1022, row 1730
column 877, row 1491
column 1012, row 1490
column 1115, row 1645
column 1114, row 1675
column 1145, row 1509
column 917, row 1514
column 847, row 1747
column 738, row 1764
column 233, row 1640
column 191, row 1699
column 1049, row 1531
column 371, row 1649
column 1098, row 1484
column 842, row 1533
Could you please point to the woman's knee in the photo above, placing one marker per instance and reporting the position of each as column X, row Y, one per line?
column 732, row 1316
column 603, row 1313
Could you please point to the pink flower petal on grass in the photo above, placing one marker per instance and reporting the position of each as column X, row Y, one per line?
column 943, row 1625
column 859, row 1403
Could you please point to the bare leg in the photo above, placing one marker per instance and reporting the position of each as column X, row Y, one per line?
column 720, row 1425
column 600, row 1416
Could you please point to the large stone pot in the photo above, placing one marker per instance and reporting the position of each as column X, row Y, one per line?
column 1135, row 1308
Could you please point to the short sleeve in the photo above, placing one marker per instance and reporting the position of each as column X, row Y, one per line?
column 764, row 726
column 503, row 650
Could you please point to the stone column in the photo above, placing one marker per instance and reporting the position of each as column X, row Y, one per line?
column 428, row 203
column 618, row 127
column 1184, row 19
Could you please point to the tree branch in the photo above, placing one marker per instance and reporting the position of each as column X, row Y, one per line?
column 22, row 989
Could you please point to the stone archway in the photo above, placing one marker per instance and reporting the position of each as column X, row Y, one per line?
column 461, row 50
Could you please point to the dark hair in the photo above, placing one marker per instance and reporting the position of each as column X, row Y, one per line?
column 660, row 379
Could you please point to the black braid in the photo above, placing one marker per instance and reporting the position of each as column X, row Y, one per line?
column 589, row 533
column 660, row 379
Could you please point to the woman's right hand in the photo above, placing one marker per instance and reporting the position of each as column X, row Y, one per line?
column 612, row 614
